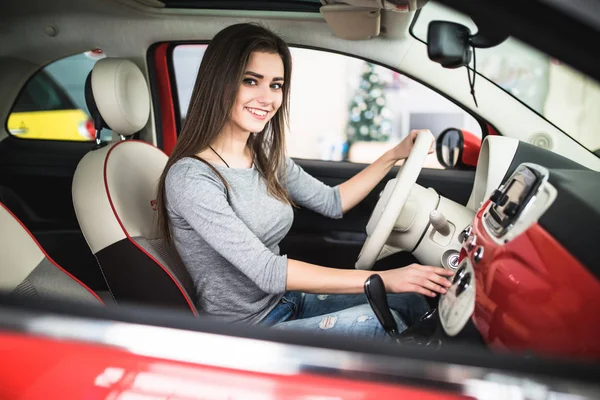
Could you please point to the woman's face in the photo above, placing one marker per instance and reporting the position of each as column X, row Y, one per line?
column 260, row 93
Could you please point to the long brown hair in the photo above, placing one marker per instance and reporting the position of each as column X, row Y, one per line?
column 219, row 78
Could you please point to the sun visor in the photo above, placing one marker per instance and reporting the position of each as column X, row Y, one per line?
column 388, row 5
column 351, row 22
column 362, row 19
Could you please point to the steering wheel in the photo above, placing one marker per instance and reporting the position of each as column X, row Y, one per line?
column 392, row 201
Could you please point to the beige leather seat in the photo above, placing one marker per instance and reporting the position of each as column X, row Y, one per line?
column 26, row 269
column 114, row 192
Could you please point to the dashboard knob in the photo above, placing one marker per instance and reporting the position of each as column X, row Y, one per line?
column 478, row 255
column 459, row 275
column 465, row 234
column 471, row 242
column 463, row 284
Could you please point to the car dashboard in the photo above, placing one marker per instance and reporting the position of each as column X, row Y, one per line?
column 527, row 278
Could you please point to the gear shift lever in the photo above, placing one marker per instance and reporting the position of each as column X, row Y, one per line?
column 377, row 297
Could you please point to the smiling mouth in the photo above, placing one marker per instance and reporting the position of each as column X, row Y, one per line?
column 257, row 112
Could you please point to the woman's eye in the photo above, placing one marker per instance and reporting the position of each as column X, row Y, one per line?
column 250, row 81
column 277, row 86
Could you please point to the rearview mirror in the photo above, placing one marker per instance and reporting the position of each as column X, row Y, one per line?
column 457, row 148
column 448, row 44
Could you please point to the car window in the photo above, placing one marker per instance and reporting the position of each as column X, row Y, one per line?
column 557, row 92
column 43, row 94
column 354, row 114
column 51, row 105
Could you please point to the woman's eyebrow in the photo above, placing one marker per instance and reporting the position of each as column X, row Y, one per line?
column 259, row 76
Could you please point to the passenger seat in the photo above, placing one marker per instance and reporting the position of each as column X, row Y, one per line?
column 26, row 269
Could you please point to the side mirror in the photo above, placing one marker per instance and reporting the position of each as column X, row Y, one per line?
column 457, row 148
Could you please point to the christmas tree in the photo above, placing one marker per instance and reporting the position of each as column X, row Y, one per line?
column 369, row 117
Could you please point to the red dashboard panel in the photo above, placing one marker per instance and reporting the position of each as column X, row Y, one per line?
column 532, row 295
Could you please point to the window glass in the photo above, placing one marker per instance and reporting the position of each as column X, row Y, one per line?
column 557, row 92
column 51, row 105
column 350, row 111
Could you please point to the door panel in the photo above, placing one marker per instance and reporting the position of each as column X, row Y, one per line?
column 39, row 173
column 337, row 243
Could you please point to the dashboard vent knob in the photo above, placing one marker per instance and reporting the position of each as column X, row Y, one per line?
column 542, row 139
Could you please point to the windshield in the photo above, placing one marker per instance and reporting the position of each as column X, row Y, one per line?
column 557, row 92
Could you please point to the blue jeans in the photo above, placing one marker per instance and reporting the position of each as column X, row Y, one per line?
column 345, row 314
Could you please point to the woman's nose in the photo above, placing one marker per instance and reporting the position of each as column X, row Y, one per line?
column 265, row 95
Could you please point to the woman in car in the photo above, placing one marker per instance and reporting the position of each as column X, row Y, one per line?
column 226, row 198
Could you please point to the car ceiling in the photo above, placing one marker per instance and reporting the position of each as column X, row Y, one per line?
column 84, row 24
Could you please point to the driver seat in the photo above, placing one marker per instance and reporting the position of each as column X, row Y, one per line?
column 114, row 194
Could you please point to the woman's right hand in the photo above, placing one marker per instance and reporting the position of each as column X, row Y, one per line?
column 417, row 278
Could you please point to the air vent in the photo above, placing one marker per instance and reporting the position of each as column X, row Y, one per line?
column 542, row 139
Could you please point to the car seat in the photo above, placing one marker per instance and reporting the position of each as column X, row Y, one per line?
column 114, row 194
column 27, row 270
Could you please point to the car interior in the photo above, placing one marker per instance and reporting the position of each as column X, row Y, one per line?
column 513, row 209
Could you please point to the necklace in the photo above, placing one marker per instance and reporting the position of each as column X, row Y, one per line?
column 219, row 156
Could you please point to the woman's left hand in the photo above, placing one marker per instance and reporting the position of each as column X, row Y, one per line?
column 403, row 149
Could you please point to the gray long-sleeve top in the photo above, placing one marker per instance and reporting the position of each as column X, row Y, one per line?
column 228, row 238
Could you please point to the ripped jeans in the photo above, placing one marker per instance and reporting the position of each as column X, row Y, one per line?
column 344, row 314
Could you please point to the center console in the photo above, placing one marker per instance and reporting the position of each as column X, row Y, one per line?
column 510, row 210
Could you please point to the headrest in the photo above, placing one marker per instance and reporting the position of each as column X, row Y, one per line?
column 117, row 96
